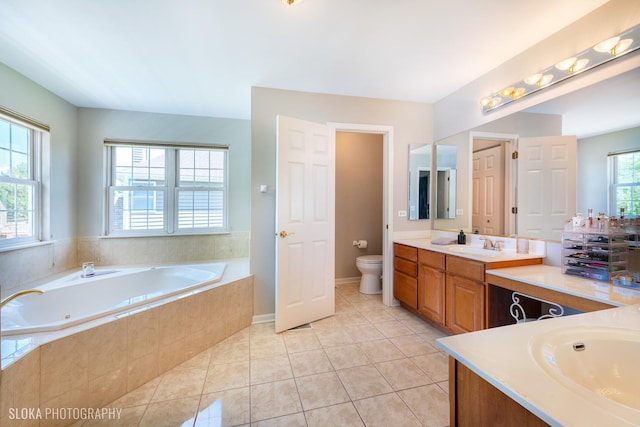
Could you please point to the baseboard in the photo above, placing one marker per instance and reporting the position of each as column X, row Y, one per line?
column 346, row 280
column 264, row 318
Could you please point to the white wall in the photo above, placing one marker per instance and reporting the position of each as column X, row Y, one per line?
column 411, row 122
column 461, row 111
column 593, row 178
column 94, row 125
column 26, row 97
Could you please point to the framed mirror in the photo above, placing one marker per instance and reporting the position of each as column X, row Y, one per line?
column 419, row 181
column 446, row 181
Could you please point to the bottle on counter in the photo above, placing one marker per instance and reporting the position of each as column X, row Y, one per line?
column 462, row 238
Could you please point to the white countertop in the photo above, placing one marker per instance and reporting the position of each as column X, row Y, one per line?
column 484, row 255
column 551, row 277
column 503, row 357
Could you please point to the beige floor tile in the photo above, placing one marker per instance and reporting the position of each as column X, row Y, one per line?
column 258, row 329
column 303, row 340
column 364, row 381
column 179, row 383
column 271, row 400
column 128, row 417
column 432, row 335
column 429, row 403
column 386, row 410
column 176, row 412
column 393, row 328
column 294, row 420
column 199, row 361
column 270, row 369
column 380, row 350
column 346, row 356
column 402, row 374
column 343, row 415
column 350, row 318
column 435, row 365
column 140, row 396
column 309, row 363
column 376, row 316
column 224, row 408
column 317, row 391
column 227, row 376
column 333, row 337
column 412, row 345
column 361, row 333
column 266, row 346
column 399, row 313
column 354, row 297
column 419, row 326
column 326, row 323
column 229, row 351
column 444, row 385
column 368, row 306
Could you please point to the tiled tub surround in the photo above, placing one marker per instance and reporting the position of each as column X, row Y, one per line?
column 90, row 365
column 75, row 299
column 368, row 365
column 20, row 268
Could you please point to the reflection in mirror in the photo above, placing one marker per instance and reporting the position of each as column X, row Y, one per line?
column 604, row 118
column 419, row 180
column 446, row 156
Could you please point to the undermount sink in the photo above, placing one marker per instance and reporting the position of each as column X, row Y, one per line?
column 473, row 250
column 604, row 362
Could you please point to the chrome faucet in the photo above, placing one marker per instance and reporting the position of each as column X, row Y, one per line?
column 488, row 243
column 19, row 294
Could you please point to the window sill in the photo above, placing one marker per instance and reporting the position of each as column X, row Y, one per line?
column 137, row 236
column 19, row 246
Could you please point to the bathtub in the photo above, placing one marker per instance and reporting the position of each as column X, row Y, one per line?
column 73, row 299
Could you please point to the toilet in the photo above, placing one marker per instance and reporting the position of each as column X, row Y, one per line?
column 371, row 268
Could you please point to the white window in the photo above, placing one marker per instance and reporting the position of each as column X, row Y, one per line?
column 624, row 189
column 161, row 189
column 20, row 183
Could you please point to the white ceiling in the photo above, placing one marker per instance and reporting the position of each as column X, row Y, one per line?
column 201, row 57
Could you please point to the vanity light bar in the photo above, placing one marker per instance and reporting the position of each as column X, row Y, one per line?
column 605, row 51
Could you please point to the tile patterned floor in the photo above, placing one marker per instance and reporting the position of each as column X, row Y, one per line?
column 369, row 365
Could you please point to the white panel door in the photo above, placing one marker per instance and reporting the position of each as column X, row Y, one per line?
column 546, row 185
column 488, row 191
column 305, row 222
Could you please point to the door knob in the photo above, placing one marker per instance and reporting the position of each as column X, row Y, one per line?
column 284, row 234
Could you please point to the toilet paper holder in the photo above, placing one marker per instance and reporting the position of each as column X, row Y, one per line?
column 361, row 244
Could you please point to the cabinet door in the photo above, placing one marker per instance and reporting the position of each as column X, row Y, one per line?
column 405, row 289
column 465, row 304
column 431, row 291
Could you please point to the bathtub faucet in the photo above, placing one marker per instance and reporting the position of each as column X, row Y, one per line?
column 88, row 269
column 19, row 294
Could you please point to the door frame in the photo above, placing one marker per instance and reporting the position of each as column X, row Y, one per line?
column 387, row 198
column 510, row 176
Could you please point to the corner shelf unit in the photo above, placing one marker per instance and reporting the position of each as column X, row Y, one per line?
column 595, row 254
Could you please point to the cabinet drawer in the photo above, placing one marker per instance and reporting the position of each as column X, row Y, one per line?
column 468, row 268
column 432, row 259
column 405, row 289
column 407, row 267
column 406, row 252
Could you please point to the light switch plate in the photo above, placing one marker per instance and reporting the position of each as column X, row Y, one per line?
column 459, row 212
column 402, row 213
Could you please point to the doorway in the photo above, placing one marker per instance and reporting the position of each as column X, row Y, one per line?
column 359, row 181
column 387, row 198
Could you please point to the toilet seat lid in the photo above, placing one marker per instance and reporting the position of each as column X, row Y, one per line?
column 370, row 259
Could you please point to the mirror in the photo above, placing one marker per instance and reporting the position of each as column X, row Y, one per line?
column 419, row 181
column 446, row 181
column 604, row 118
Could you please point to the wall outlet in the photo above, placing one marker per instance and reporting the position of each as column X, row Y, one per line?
column 459, row 212
column 402, row 213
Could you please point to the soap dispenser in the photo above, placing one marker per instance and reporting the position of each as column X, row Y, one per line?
column 462, row 238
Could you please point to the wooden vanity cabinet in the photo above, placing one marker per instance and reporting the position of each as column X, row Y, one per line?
column 405, row 275
column 465, row 295
column 431, row 285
